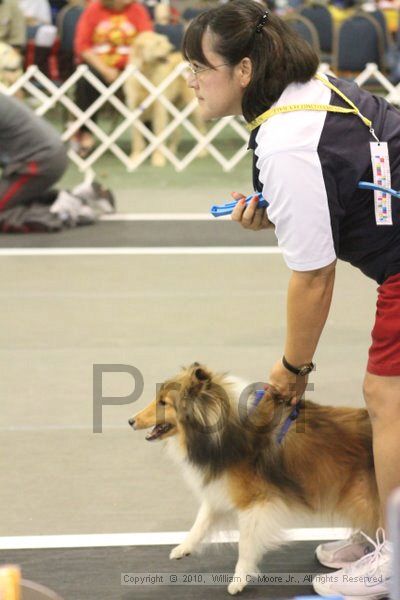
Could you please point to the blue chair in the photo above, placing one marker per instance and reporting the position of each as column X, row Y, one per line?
column 358, row 41
column 321, row 18
column 381, row 20
column 190, row 13
column 174, row 33
column 67, row 20
column 304, row 28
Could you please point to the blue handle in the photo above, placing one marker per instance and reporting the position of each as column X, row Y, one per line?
column 220, row 210
column 366, row 185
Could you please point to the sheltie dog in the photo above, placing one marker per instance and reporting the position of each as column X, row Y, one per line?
column 227, row 445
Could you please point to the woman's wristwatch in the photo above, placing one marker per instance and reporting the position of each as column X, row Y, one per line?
column 302, row 370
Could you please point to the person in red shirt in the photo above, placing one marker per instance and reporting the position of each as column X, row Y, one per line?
column 103, row 38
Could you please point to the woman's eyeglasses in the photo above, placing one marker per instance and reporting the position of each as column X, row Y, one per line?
column 197, row 70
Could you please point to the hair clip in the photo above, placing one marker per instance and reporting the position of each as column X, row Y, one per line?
column 262, row 21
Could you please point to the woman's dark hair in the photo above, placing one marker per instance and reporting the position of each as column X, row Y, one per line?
column 279, row 55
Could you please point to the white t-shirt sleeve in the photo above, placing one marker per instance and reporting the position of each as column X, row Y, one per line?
column 293, row 185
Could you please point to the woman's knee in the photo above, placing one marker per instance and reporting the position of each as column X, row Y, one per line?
column 382, row 397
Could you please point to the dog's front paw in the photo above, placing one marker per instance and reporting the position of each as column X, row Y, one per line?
column 237, row 586
column 180, row 551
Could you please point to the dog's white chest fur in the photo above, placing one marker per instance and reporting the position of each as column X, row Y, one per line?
column 215, row 493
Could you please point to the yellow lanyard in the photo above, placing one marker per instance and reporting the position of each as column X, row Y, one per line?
column 325, row 107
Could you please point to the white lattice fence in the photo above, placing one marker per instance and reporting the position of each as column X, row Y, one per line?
column 47, row 96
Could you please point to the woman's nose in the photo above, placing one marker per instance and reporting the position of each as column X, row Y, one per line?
column 191, row 80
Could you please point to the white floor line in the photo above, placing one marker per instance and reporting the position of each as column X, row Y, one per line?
column 150, row 539
column 142, row 251
column 163, row 217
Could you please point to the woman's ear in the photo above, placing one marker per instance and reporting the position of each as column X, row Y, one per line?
column 245, row 71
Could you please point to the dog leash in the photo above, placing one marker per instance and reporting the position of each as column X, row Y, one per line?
column 259, row 395
column 221, row 210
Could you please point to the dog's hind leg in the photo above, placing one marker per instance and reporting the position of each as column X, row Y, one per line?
column 260, row 529
column 204, row 520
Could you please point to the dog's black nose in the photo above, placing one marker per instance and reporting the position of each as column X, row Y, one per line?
column 131, row 422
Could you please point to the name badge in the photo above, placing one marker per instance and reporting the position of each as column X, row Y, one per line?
column 382, row 177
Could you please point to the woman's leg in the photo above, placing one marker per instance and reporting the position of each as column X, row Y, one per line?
column 382, row 397
column 33, row 181
column 86, row 95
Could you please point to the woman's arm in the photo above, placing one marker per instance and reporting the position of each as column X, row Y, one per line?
column 108, row 73
column 308, row 302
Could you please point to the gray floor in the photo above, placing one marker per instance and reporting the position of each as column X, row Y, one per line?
column 63, row 314
column 96, row 573
column 154, row 233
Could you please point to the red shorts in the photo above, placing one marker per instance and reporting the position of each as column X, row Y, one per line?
column 384, row 353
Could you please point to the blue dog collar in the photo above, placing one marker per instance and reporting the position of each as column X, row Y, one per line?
column 259, row 395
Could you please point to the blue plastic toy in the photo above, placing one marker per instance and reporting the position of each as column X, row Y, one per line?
column 220, row 210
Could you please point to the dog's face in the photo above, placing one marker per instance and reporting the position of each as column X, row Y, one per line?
column 150, row 46
column 159, row 414
column 163, row 414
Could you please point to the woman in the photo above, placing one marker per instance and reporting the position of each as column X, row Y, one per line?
column 104, row 35
column 307, row 164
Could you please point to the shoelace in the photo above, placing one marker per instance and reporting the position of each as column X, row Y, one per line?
column 372, row 560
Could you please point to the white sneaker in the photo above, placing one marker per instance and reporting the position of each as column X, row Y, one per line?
column 366, row 579
column 85, row 191
column 99, row 198
column 71, row 210
column 337, row 555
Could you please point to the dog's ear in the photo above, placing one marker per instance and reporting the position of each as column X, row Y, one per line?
column 199, row 372
column 200, row 378
column 201, row 375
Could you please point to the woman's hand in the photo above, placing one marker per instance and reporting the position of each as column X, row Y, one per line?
column 250, row 217
column 286, row 385
column 110, row 74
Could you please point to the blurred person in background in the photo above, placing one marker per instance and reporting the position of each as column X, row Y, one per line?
column 40, row 30
column 104, row 35
column 12, row 24
column 33, row 159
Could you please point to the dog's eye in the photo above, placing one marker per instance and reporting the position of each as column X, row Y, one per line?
column 162, row 402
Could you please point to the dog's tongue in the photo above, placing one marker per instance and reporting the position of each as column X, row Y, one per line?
column 155, row 432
